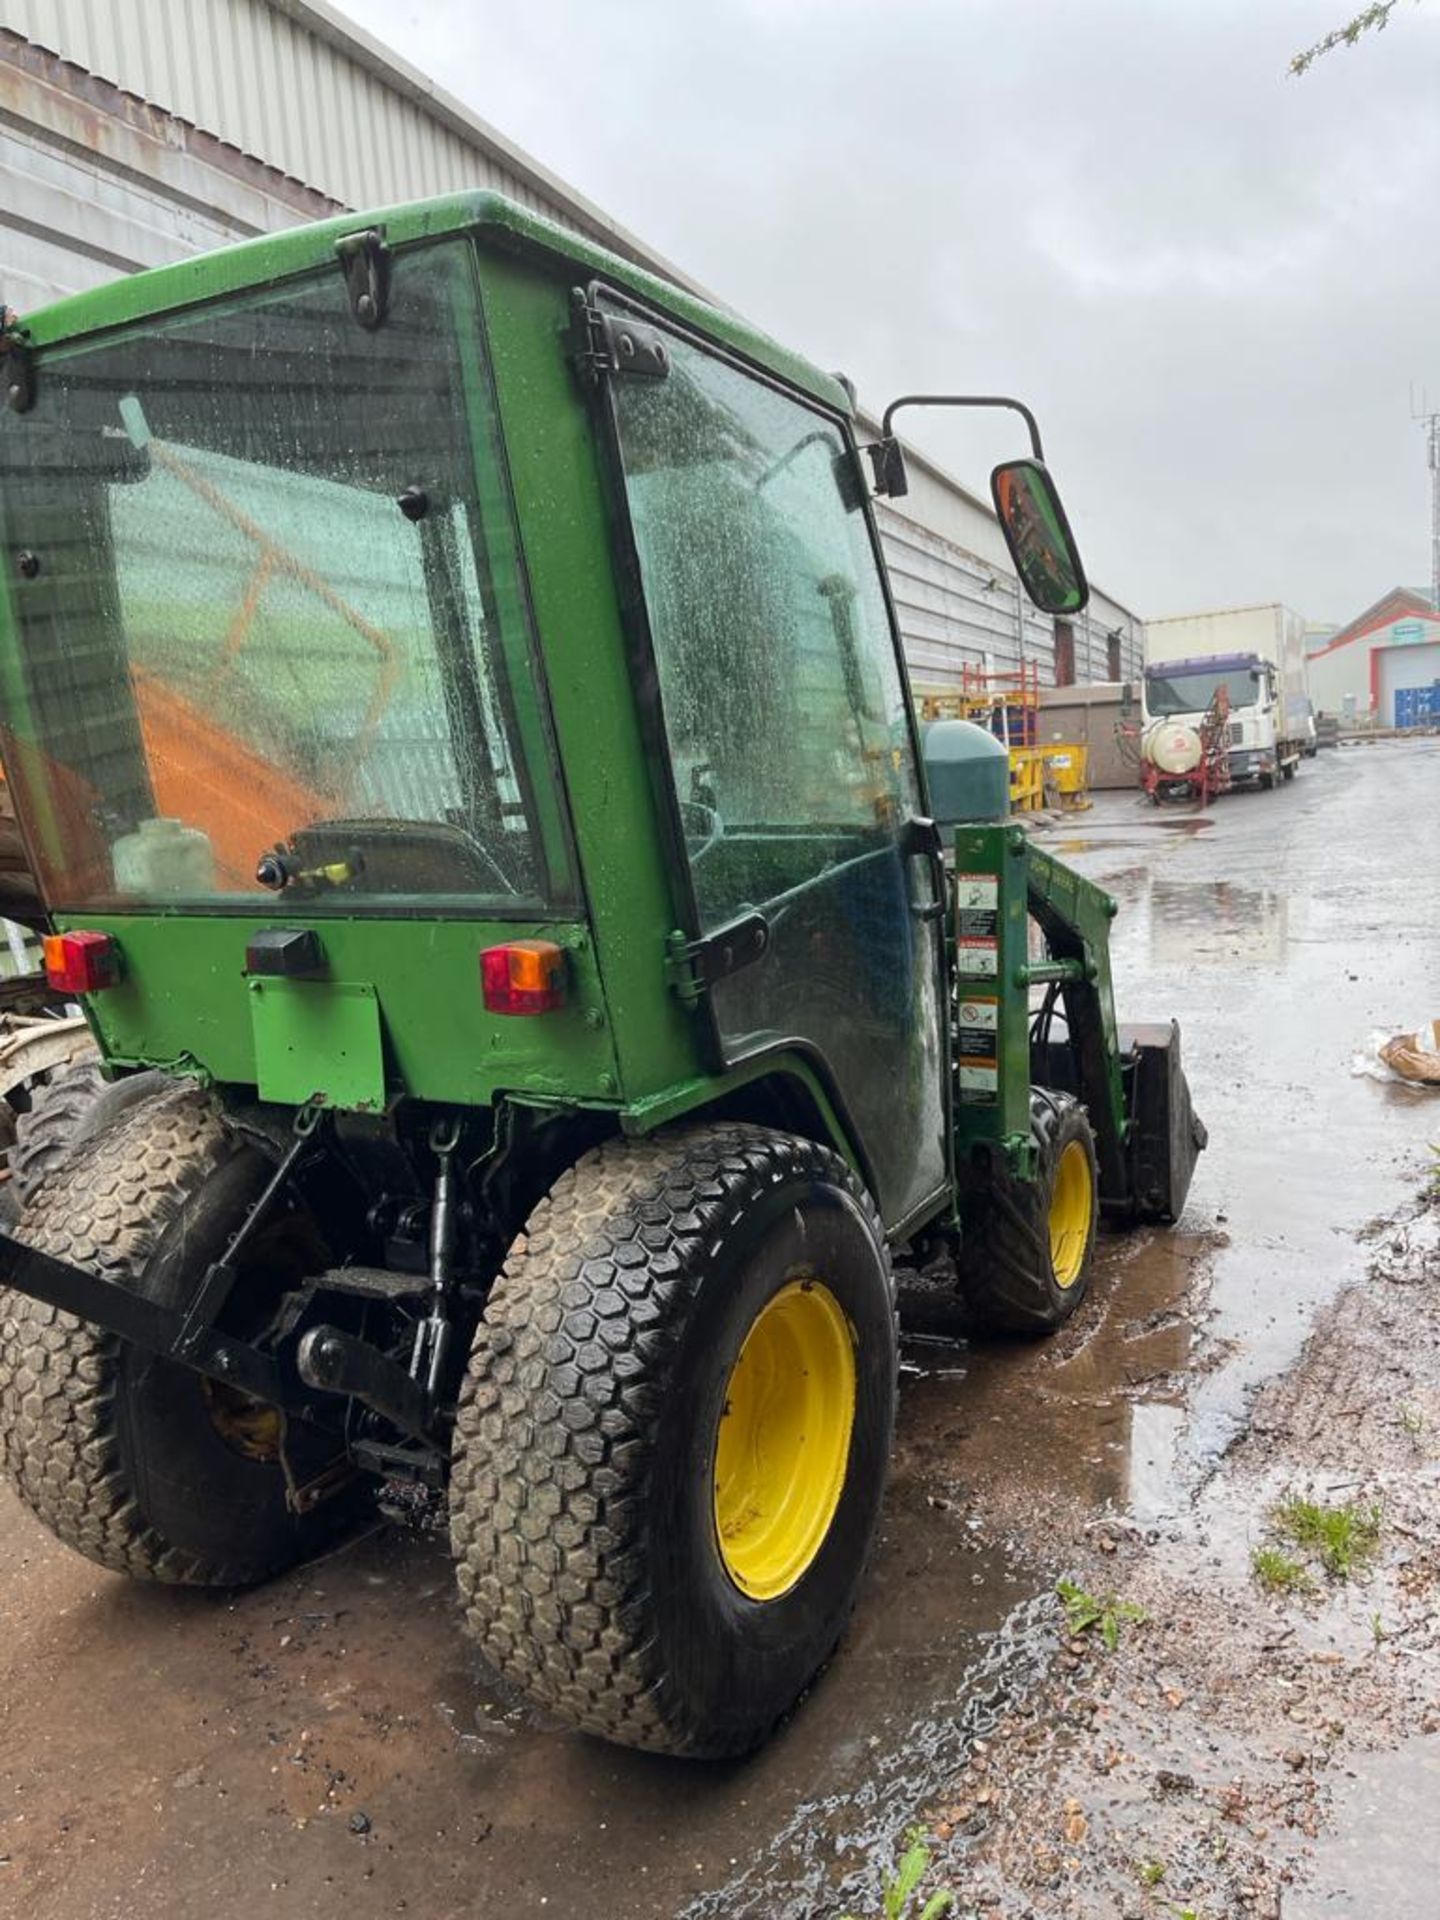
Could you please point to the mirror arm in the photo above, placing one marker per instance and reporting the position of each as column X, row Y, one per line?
column 965, row 400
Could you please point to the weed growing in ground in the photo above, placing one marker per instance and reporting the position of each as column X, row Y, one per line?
column 1086, row 1610
column 1343, row 1538
column 898, row 1894
column 1412, row 1420
column 1277, row 1572
column 1150, row 1872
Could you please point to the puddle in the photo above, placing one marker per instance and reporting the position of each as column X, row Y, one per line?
column 836, row 1846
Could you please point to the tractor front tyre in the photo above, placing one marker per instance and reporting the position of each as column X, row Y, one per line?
column 1027, row 1246
column 672, row 1440
column 134, row 1461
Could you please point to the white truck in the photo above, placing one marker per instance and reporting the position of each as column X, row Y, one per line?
column 1257, row 654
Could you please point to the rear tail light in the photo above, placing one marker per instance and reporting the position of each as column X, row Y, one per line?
column 81, row 962
column 523, row 976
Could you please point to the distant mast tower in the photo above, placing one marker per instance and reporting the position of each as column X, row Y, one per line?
column 1431, row 423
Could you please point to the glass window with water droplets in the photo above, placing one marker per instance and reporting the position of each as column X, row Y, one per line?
column 271, row 631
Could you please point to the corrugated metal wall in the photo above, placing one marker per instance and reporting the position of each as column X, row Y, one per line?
column 302, row 90
column 137, row 131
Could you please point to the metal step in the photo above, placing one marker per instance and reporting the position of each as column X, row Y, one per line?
column 374, row 1283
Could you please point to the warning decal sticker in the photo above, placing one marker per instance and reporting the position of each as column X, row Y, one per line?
column 979, row 1048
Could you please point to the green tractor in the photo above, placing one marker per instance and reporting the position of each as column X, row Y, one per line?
column 456, row 715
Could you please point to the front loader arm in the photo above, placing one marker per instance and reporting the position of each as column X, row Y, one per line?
column 1001, row 882
column 1074, row 915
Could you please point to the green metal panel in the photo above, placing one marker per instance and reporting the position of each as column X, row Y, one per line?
column 499, row 222
column 993, row 1090
column 318, row 1040
column 565, row 538
column 183, row 999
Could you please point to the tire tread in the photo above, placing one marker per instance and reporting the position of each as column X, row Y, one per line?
column 558, row 1417
column 1005, row 1251
column 106, row 1209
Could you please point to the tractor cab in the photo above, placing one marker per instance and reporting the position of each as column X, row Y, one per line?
column 451, row 694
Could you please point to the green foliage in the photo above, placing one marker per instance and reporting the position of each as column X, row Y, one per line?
column 1085, row 1611
column 1412, row 1419
column 1277, row 1572
column 1150, row 1872
column 1376, row 16
column 899, row 1890
column 1344, row 1539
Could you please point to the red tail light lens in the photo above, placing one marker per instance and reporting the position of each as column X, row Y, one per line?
column 523, row 976
column 81, row 962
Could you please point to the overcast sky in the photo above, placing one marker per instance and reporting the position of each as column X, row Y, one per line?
column 1214, row 282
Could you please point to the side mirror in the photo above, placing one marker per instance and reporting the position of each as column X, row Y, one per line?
column 1038, row 535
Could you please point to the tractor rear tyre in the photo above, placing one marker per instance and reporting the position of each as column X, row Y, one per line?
column 46, row 1133
column 1028, row 1245
column 672, row 1441
column 137, row 1462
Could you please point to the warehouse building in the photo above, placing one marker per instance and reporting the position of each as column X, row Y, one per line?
column 1384, row 666
column 135, row 132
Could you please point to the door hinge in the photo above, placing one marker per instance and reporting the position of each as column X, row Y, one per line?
column 19, row 367
column 693, row 966
column 603, row 343
column 365, row 261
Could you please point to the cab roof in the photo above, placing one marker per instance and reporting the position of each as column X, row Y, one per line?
column 496, row 221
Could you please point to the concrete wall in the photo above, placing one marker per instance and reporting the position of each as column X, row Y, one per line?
column 1352, row 670
column 1334, row 675
column 134, row 132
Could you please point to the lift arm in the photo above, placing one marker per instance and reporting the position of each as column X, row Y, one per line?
column 1002, row 881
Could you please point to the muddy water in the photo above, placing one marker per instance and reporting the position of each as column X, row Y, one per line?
column 329, row 1742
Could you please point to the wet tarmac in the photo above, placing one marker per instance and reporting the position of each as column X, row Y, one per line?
column 330, row 1742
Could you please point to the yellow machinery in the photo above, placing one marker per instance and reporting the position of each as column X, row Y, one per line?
column 1067, row 774
column 1027, row 779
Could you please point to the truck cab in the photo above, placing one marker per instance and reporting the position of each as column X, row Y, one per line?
column 1261, row 746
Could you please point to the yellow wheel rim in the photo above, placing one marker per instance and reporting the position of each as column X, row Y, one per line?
column 783, row 1442
column 1072, row 1207
column 249, row 1427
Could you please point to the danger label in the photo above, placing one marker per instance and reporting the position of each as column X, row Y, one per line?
column 977, row 908
column 977, row 890
column 978, row 956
